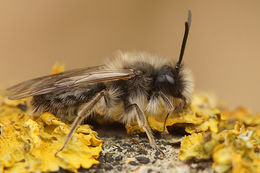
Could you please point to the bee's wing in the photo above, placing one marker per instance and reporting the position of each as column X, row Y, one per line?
column 68, row 79
column 26, row 85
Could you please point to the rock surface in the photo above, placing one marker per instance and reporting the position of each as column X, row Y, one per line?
column 132, row 153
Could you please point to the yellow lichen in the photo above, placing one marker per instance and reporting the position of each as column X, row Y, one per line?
column 58, row 68
column 29, row 144
column 231, row 139
column 235, row 147
column 192, row 148
column 199, row 117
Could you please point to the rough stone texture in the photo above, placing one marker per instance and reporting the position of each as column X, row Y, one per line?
column 132, row 153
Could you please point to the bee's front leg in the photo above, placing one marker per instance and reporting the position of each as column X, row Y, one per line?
column 143, row 123
column 169, row 108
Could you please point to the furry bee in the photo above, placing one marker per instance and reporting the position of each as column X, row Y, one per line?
column 127, row 88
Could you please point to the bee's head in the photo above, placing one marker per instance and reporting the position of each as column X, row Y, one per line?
column 170, row 81
column 176, row 80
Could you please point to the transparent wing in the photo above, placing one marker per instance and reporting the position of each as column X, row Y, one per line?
column 68, row 79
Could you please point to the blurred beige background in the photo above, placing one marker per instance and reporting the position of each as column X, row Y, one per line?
column 222, row 50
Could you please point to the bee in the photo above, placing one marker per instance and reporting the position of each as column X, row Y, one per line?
column 127, row 88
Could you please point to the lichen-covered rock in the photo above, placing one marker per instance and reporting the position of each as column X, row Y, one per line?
column 29, row 144
column 231, row 139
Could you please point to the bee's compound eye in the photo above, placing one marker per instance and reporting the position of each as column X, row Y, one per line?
column 170, row 79
column 138, row 72
column 165, row 78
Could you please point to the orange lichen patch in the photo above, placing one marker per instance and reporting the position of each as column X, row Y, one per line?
column 28, row 144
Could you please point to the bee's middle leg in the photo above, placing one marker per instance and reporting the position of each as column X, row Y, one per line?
column 143, row 123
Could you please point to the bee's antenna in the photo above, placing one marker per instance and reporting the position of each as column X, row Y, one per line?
column 185, row 37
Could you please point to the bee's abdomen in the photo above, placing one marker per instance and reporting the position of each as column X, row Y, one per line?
column 65, row 103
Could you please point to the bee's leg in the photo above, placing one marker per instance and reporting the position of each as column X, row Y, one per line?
column 164, row 123
column 82, row 114
column 179, row 105
column 143, row 123
column 169, row 106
